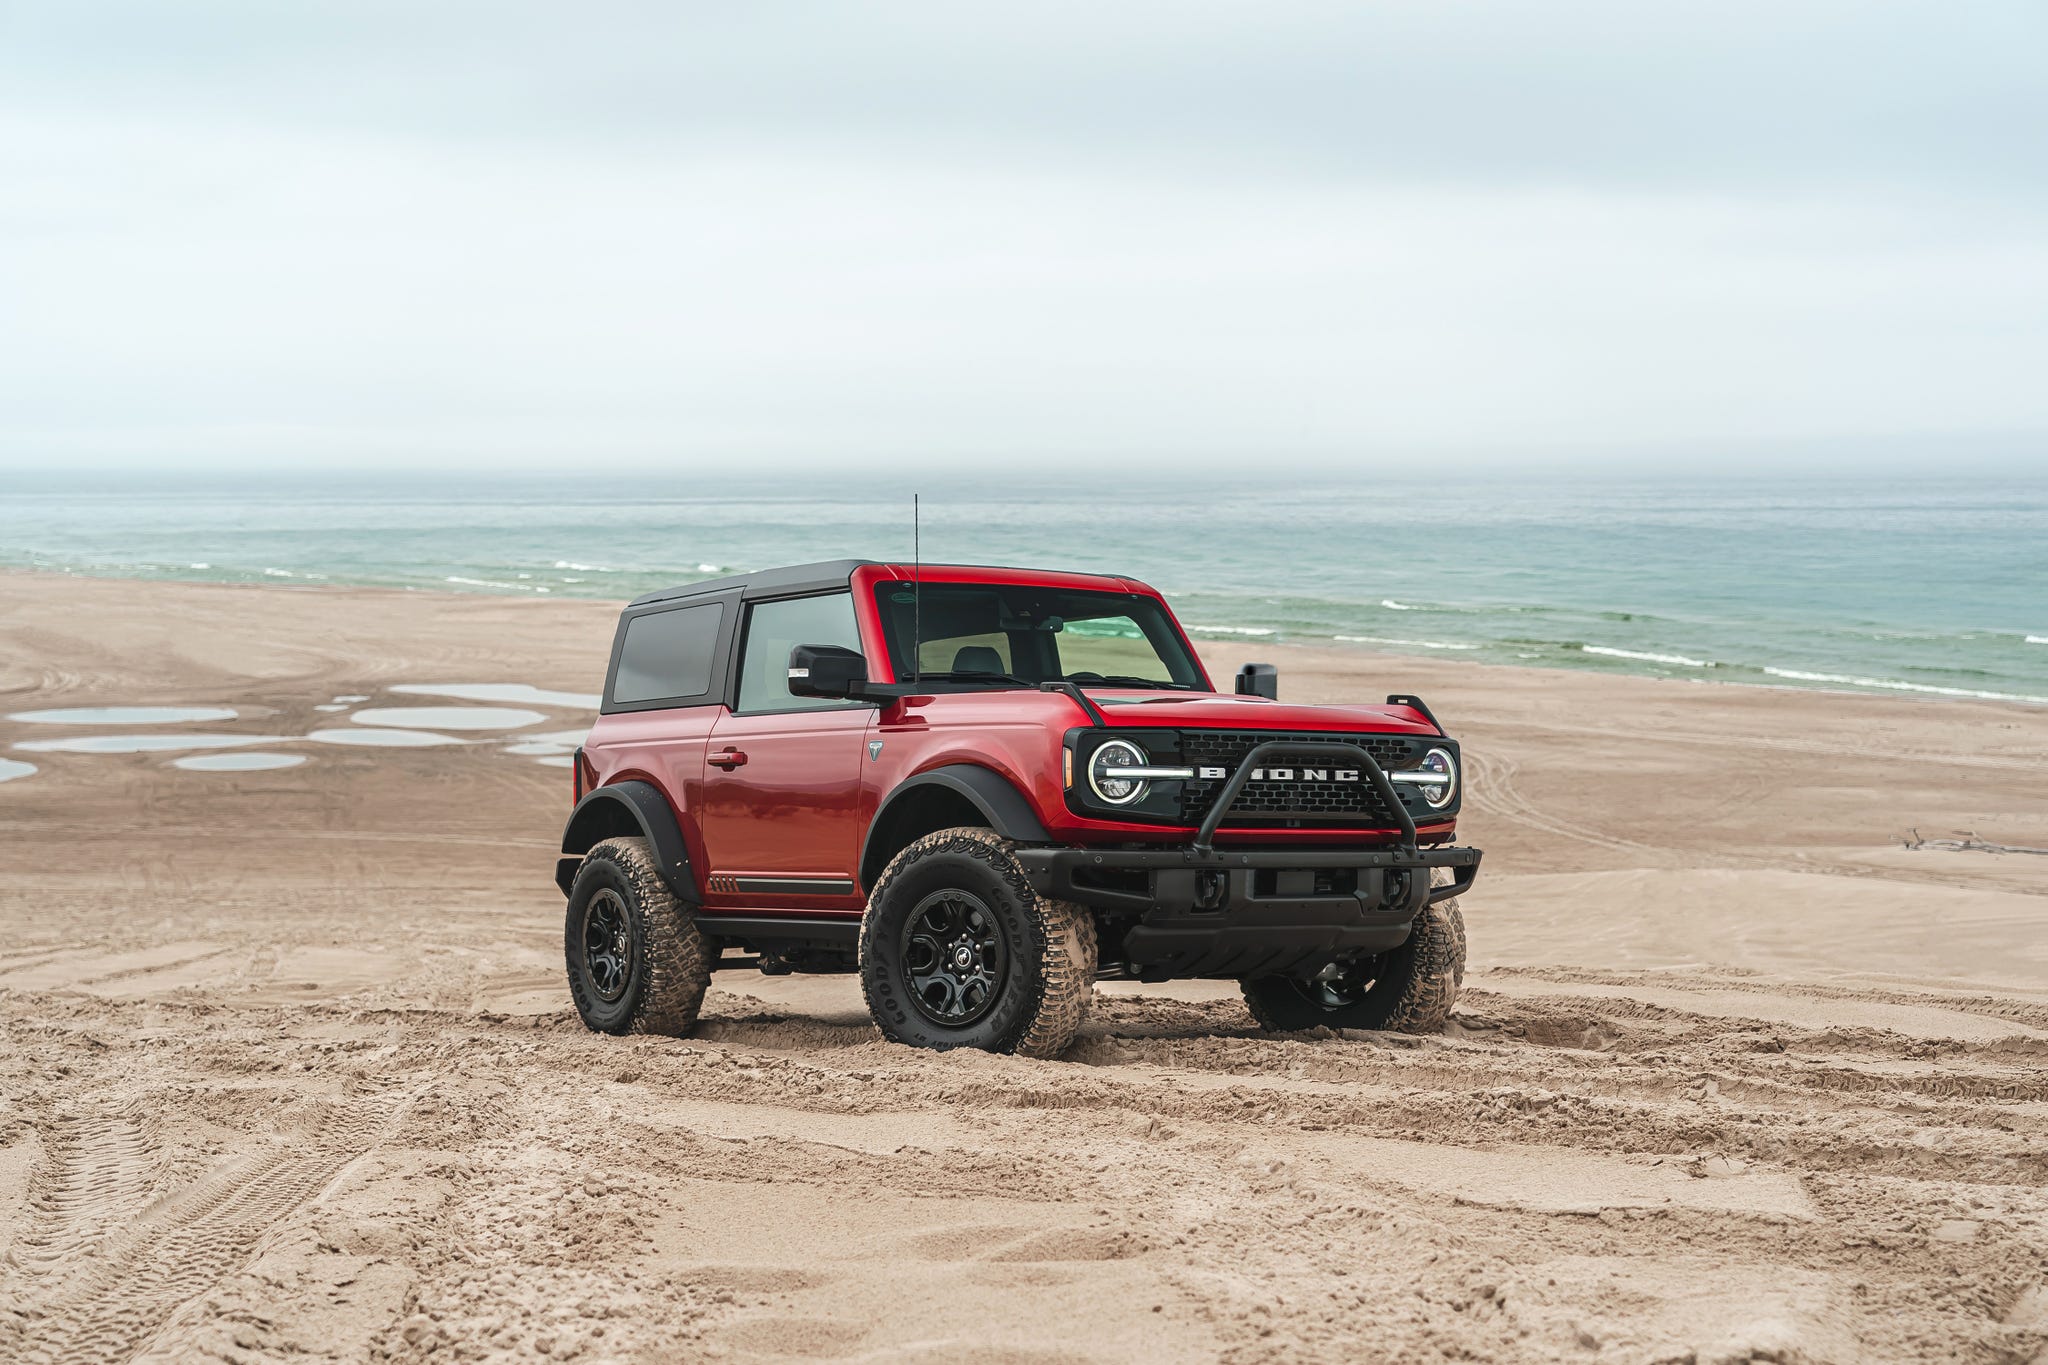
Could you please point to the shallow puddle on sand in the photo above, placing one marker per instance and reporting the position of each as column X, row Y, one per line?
column 11, row 768
column 389, row 739
column 124, row 715
column 331, row 706
column 568, row 739
column 142, row 744
column 524, row 693
column 449, row 717
column 552, row 743
column 237, row 763
column 558, row 760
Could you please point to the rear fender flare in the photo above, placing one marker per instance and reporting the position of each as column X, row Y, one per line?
column 609, row 811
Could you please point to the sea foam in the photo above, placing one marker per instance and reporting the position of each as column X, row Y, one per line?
column 1389, row 640
column 1646, row 657
column 1895, row 685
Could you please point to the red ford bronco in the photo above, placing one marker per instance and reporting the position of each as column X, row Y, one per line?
column 982, row 788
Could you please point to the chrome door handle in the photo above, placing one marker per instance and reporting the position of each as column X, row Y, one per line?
column 727, row 759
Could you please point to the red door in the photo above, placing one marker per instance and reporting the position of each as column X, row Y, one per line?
column 781, row 807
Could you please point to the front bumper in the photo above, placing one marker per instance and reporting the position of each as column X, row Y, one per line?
column 1236, row 913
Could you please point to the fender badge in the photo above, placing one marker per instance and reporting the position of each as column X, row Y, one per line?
column 874, row 749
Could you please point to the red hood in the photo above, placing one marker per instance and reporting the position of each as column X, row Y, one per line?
column 1225, row 712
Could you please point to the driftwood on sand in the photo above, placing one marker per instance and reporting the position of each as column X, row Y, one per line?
column 1970, row 843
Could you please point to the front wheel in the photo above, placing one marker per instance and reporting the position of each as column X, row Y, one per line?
column 957, row 950
column 1409, row 989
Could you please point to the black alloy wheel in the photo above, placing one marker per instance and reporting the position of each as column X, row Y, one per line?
column 958, row 950
column 607, row 945
column 1407, row 989
column 956, row 957
column 1342, row 985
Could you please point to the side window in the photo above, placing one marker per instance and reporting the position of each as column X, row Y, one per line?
column 775, row 628
column 668, row 654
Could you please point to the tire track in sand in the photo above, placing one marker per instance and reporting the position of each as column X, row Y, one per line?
column 1490, row 787
column 96, row 1173
column 100, row 1279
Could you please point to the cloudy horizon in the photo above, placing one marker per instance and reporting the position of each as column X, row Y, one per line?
column 793, row 235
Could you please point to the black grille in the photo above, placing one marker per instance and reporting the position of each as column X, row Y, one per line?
column 1271, row 804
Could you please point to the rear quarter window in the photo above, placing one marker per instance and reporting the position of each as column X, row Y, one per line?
column 668, row 654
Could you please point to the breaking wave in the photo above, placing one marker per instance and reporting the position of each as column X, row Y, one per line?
column 1895, row 685
column 1388, row 640
column 1646, row 656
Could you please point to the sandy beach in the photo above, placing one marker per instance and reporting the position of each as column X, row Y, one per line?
column 288, row 1067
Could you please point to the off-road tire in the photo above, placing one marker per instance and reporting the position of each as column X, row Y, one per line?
column 1417, row 984
column 1051, row 948
column 670, row 964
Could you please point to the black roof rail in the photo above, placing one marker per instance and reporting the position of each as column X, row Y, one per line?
column 797, row 578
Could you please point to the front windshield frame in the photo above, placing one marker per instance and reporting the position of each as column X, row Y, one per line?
column 952, row 611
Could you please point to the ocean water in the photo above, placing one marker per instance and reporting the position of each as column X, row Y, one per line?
column 1876, row 587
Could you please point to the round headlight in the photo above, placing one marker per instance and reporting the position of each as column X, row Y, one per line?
column 1439, row 794
column 1117, row 791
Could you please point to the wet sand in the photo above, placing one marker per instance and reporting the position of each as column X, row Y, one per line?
column 287, row 1066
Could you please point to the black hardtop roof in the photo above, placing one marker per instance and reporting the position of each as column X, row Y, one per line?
column 825, row 575
column 796, row 578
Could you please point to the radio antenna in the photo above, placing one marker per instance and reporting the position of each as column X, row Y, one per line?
column 916, row 594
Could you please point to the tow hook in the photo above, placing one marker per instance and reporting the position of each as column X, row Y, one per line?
column 1209, row 890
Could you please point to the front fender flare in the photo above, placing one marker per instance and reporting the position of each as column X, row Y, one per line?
column 600, row 815
column 1007, row 810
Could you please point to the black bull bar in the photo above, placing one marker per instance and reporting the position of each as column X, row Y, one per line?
column 1204, row 911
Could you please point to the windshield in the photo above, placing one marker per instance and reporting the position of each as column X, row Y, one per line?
column 1006, row 634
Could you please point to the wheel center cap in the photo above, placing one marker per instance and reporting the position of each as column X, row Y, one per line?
column 963, row 958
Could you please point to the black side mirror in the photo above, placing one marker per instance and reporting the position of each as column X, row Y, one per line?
column 1259, row 680
column 826, row 671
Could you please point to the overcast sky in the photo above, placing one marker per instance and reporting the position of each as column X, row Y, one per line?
column 546, row 235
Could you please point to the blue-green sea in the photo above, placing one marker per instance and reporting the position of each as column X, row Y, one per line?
column 1875, row 587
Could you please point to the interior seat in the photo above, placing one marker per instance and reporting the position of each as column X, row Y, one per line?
column 978, row 659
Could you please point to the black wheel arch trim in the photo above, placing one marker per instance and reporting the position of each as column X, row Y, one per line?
column 596, row 817
column 1008, row 811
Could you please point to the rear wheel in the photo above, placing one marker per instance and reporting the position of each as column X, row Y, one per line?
column 957, row 950
column 637, row 963
column 1409, row 989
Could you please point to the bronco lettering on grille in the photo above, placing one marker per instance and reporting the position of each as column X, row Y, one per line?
column 1285, row 774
